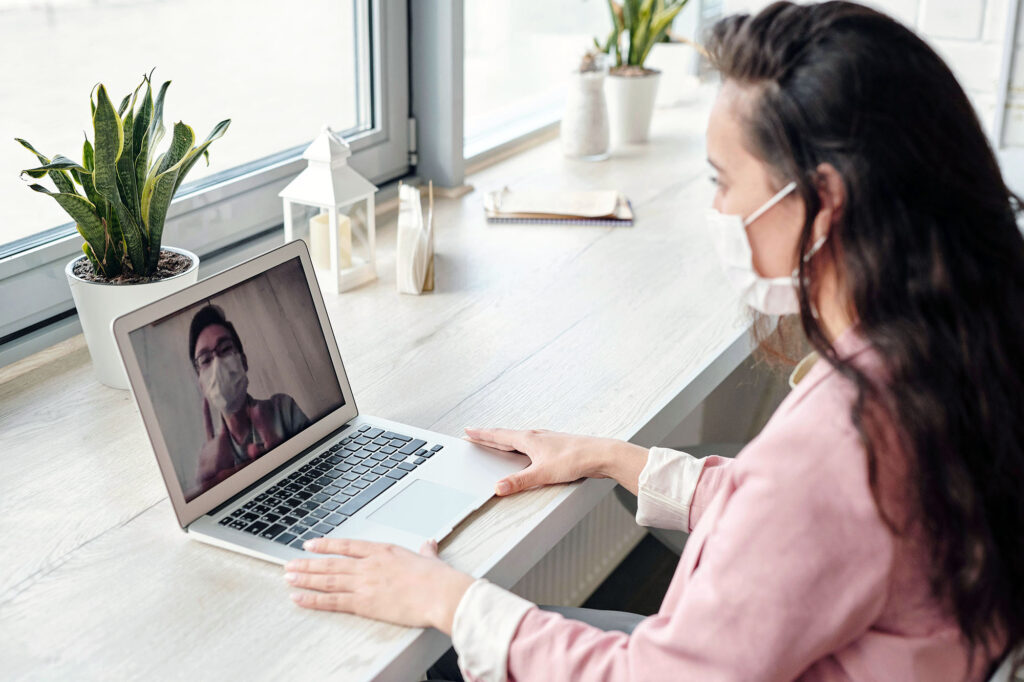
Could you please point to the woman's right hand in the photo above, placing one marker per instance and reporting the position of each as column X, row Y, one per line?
column 562, row 457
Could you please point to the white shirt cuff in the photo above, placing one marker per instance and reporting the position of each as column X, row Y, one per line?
column 485, row 622
column 666, row 488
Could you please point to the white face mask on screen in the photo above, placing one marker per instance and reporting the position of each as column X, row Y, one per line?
column 769, row 295
column 225, row 383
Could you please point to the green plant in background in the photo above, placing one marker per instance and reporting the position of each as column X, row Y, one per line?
column 644, row 22
column 118, row 196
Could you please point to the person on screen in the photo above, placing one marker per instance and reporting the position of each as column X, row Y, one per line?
column 239, row 428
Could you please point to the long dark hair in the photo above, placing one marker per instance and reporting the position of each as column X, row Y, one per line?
column 928, row 250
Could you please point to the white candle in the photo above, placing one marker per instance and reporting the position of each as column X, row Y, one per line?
column 320, row 241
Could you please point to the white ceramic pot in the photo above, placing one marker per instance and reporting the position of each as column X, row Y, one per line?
column 585, row 122
column 99, row 304
column 630, row 105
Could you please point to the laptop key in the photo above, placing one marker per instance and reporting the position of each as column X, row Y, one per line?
column 319, row 497
column 396, row 474
column 330, row 505
column 238, row 524
column 436, row 448
column 308, row 505
column 286, row 538
column 323, row 528
column 256, row 527
column 360, row 484
column 282, row 509
column 289, row 520
column 412, row 446
column 318, row 513
column 406, row 466
column 311, row 535
column 396, row 436
column 360, row 469
column 380, row 470
column 225, row 521
column 364, row 497
column 389, row 450
column 330, row 490
column 373, row 433
column 420, row 460
column 297, row 544
column 335, row 519
column 364, row 427
column 350, row 476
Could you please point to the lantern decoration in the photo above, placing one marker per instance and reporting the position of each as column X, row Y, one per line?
column 343, row 247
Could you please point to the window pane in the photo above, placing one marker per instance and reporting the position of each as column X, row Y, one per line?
column 278, row 70
column 518, row 54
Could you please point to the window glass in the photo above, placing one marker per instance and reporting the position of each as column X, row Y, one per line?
column 278, row 70
column 517, row 57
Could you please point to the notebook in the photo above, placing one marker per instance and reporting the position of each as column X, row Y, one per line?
column 593, row 207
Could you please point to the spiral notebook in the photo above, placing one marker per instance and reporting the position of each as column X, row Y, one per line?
column 595, row 207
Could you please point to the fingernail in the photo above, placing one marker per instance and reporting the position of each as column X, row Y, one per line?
column 310, row 545
column 297, row 597
column 503, row 488
column 290, row 577
column 467, row 429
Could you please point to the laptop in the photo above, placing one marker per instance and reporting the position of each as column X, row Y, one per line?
column 256, row 431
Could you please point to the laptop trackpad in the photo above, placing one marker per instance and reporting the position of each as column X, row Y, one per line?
column 423, row 508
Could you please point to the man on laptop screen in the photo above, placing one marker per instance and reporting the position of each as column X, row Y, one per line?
column 229, row 402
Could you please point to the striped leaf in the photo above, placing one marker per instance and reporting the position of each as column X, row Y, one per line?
column 140, row 138
column 156, row 125
column 87, row 155
column 83, row 212
column 109, row 142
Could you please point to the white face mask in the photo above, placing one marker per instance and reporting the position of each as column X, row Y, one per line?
column 769, row 295
column 225, row 383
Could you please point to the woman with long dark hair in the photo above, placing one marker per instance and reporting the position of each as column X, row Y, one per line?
column 874, row 530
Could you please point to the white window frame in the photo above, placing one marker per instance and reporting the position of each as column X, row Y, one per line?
column 215, row 216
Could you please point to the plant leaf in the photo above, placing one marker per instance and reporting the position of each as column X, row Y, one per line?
column 83, row 212
column 87, row 155
column 109, row 143
column 140, row 138
column 156, row 125
column 217, row 132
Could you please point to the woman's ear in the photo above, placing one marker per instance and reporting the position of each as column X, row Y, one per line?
column 832, row 193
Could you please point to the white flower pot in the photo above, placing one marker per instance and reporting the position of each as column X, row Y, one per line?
column 99, row 304
column 585, row 122
column 630, row 105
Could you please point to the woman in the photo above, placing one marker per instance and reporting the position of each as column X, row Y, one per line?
column 874, row 530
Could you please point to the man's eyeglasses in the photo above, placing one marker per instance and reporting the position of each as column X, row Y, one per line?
column 222, row 350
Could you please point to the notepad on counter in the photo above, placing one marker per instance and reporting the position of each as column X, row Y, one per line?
column 594, row 207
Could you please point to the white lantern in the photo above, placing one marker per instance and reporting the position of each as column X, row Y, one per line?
column 330, row 184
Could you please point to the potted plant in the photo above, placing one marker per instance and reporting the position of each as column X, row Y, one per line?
column 118, row 197
column 636, row 26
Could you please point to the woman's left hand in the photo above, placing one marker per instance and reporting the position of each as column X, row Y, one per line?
column 379, row 581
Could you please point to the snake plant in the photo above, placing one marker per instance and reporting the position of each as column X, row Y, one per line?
column 644, row 22
column 119, row 194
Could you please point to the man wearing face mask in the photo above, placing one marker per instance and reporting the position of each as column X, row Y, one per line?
column 239, row 428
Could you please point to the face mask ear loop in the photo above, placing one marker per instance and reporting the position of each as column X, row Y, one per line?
column 779, row 196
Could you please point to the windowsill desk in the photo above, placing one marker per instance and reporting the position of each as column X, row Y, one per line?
column 610, row 331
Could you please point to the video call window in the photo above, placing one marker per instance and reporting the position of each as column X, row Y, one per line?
column 236, row 375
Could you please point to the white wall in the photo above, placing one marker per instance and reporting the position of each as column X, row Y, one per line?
column 971, row 36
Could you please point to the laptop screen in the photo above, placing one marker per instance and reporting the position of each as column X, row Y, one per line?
column 238, row 374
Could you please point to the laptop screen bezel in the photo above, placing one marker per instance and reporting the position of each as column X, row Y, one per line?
column 189, row 511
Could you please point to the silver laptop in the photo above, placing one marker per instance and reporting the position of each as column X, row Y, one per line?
column 256, row 430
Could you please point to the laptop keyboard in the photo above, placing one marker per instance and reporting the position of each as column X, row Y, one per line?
column 321, row 494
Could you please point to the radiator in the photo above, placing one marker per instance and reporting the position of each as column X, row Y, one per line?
column 574, row 568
